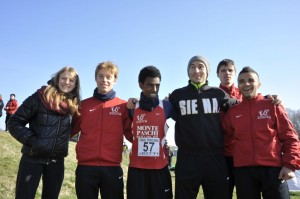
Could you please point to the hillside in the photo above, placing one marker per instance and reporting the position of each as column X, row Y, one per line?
column 9, row 161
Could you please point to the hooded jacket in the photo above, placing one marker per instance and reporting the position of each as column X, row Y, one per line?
column 47, row 136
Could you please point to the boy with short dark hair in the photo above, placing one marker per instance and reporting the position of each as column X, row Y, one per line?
column 148, row 173
column 266, row 145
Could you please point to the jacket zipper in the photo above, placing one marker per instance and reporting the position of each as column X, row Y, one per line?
column 101, row 131
column 252, row 133
column 57, row 132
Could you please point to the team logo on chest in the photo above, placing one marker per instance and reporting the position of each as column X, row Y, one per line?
column 141, row 118
column 264, row 114
column 115, row 110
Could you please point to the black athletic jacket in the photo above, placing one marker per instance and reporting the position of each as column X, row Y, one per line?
column 198, row 128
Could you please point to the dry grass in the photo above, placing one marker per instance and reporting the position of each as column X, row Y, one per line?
column 10, row 151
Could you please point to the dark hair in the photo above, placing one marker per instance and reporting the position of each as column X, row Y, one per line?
column 12, row 95
column 225, row 62
column 149, row 71
column 248, row 69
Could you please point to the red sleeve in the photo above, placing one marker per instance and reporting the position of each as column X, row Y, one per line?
column 127, row 122
column 76, row 125
column 228, row 134
column 14, row 105
column 289, row 138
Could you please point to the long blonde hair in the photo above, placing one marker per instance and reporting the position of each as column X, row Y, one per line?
column 55, row 97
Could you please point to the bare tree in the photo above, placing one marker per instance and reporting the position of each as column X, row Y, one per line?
column 294, row 116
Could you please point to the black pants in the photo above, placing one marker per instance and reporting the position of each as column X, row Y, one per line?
column 6, row 120
column 229, row 162
column 107, row 179
column 252, row 182
column 210, row 171
column 30, row 173
column 149, row 183
column 170, row 161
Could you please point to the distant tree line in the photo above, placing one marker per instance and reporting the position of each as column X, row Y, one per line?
column 295, row 118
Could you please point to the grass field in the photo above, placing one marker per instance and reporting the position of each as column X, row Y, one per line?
column 9, row 160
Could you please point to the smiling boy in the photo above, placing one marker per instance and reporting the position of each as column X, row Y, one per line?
column 103, row 121
column 266, row 146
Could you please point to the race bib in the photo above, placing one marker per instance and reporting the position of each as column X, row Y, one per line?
column 148, row 147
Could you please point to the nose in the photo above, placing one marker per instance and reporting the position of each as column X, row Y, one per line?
column 246, row 83
column 196, row 69
column 154, row 88
column 104, row 79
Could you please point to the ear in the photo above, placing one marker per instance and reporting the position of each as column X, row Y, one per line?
column 259, row 85
column 141, row 85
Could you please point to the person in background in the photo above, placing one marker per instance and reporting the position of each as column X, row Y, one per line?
column 148, row 173
column 265, row 143
column 10, row 108
column 226, row 72
column 45, row 141
column 170, row 154
column 103, row 121
column 198, row 135
column 1, row 105
column 125, row 148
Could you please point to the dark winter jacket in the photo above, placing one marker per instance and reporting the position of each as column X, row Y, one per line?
column 1, row 106
column 47, row 136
